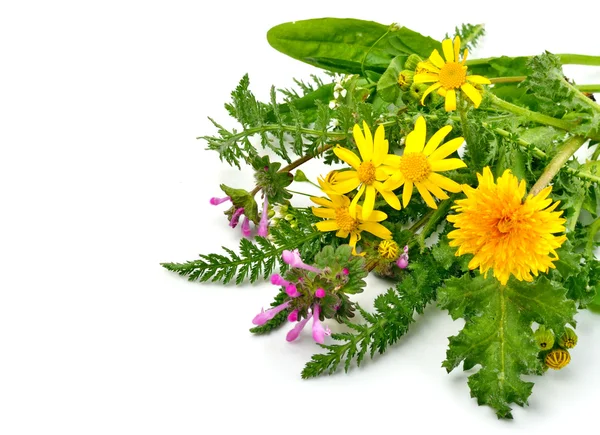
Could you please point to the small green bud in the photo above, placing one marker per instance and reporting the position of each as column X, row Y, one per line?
column 557, row 359
column 294, row 224
column 289, row 217
column 568, row 339
column 412, row 62
column 300, row 176
column 271, row 213
column 544, row 338
column 416, row 91
column 405, row 79
column 283, row 209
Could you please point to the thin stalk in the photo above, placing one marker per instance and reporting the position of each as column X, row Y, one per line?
column 565, row 59
column 588, row 88
column 564, row 154
column 364, row 59
column 530, row 115
column 515, row 79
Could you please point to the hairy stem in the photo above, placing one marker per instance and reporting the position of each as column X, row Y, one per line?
column 565, row 59
column 564, row 154
column 515, row 79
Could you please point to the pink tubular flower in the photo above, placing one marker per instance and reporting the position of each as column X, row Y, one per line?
column 264, row 316
column 320, row 293
column 277, row 279
column 293, row 316
column 263, row 227
column 235, row 217
column 217, row 201
column 295, row 332
column 292, row 291
column 402, row 261
column 246, row 227
column 293, row 259
column 318, row 332
column 345, row 271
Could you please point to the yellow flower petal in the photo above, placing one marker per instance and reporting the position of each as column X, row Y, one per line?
column 456, row 48
column 330, row 225
column 428, row 66
column 429, row 90
column 465, row 55
column 346, row 186
column 447, row 165
column 369, row 203
column 394, row 182
column 368, row 150
column 327, row 213
column 347, row 156
column 426, row 195
column 450, row 100
column 415, row 140
column 433, row 188
column 436, row 59
column 390, row 197
column 479, row 80
column 437, row 139
column 407, row 193
column 446, row 149
column 321, row 201
column 473, row 94
column 354, row 203
column 361, row 142
column 345, row 175
column 448, row 51
column 425, row 78
column 355, row 237
column 392, row 160
column 445, row 182
column 381, row 146
column 376, row 229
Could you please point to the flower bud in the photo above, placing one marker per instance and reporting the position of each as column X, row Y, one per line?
column 405, row 79
column 416, row 91
column 568, row 339
column 544, row 338
column 412, row 62
column 557, row 359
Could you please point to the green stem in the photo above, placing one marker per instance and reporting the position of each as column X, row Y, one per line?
column 364, row 59
column 588, row 88
column 515, row 79
column 566, row 151
column 589, row 246
column 530, row 115
column 434, row 219
column 299, row 193
column 579, row 59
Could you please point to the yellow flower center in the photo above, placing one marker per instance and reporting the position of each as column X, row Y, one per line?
column 366, row 172
column 388, row 249
column 415, row 167
column 344, row 220
column 453, row 75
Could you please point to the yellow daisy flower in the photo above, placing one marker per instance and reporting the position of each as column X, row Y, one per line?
column 420, row 164
column 449, row 75
column 505, row 233
column 368, row 173
column 336, row 211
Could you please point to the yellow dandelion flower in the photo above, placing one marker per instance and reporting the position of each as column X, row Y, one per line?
column 369, row 173
column 449, row 75
column 503, row 232
column 336, row 212
column 419, row 165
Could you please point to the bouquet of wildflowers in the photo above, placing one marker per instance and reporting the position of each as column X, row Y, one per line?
column 452, row 178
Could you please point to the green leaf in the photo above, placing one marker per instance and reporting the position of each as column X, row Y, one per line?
column 387, row 86
column 242, row 198
column 498, row 335
column 343, row 45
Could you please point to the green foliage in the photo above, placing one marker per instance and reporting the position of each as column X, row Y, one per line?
column 387, row 86
column 348, row 45
column 278, row 320
column 240, row 198
column 254, row 260
column 394, row 312
column 498, row 335
column 272, row 181
column 469, row 35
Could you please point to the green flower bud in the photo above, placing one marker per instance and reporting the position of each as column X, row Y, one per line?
column 544, row 338
column 412, row 62
column 300, row 176
column 405, row 79
column 294, row 224
column 271, row 213
column 568, row 339
column 416, row 91
column 289, row 217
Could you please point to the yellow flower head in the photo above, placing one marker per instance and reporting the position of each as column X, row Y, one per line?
column 336, row 211
column 503, row 232
column 420, row 164
column 449, row 75
column 368, row 170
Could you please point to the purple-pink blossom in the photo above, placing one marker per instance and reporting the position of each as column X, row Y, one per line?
column 264, row 316
column 263, row 227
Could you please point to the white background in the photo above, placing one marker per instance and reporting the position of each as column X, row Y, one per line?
column 102, row 178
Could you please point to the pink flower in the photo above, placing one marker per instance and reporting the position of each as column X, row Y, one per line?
column 235, row 217
column 246, row 227
column 295, row 332
column 292, row 291
column 318, row 332
column 402, row 261
column 320, row 293
column 264, row 316
column 345, row 271
column 293, row 316
column 263, row 227
column 217, row 201
column 293, row 259
column 277, row 279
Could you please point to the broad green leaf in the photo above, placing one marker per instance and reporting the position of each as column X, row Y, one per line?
column 503, row 66
column 498, row 335
column 387, row 86
column 344, row 45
